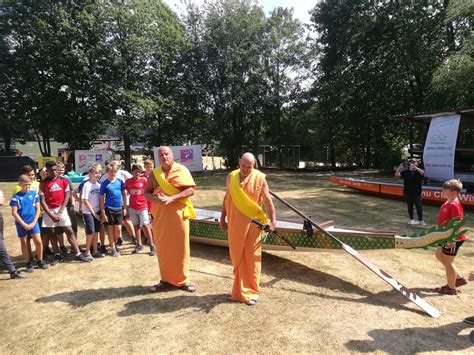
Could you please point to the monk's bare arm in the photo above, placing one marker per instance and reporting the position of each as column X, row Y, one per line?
column 189, row 191
column 269, row 206
column 161, row 198
column 222, row 222
column 150, row 187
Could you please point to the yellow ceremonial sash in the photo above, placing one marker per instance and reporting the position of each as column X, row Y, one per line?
column 243, row 202
column 188, row 210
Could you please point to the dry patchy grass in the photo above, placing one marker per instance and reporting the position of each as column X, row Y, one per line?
column 311, row 302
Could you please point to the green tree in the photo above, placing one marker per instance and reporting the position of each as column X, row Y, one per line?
column 191, row 113
column 10, row 125
column 453, row 80
column 230, row 47
column 51, row 53
column 376, row 59
column 285, row 58
column 142, row 43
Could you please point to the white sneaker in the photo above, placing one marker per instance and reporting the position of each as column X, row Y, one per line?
column 422, row 223
column 411, row 222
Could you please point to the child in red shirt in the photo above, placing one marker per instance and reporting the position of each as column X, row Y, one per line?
column 138, row 208
column 449, row 210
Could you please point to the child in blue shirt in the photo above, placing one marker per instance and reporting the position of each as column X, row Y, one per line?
column 26, row 210
column 112, row 197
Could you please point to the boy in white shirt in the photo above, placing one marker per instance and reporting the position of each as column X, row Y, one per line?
column 91, row 211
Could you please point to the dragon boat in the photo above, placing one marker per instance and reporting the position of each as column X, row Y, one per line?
column 205, row 229
column 430, row 194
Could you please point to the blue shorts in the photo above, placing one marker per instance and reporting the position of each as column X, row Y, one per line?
column 22, row 232
column 92, row 224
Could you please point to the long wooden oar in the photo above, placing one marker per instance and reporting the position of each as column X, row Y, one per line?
column 420, row 302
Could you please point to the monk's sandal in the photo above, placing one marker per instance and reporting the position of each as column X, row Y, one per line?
column 162, row 286
column 252, row 302
column 188, row 288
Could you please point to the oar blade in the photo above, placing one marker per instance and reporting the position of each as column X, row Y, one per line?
column 420, row 302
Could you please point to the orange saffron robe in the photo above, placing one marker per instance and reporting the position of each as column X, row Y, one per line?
column 171, row 230
column 244, row 247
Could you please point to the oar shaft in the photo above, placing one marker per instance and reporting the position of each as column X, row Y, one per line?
column 301, row 214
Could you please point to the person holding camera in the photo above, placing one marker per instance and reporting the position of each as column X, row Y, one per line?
column 412, row 177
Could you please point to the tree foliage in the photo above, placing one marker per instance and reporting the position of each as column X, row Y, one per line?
column 142, row 41
column 376, row 59
column 229, row 76
column 52, row 48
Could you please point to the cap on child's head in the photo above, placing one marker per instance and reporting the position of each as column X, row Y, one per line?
column 453, row 185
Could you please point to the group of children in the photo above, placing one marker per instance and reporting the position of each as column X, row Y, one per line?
column 43, row 212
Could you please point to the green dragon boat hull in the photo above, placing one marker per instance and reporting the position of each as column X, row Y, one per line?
column 205, row 229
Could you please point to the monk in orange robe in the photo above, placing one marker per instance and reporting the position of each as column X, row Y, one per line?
column 168, row 189
column 243, row 235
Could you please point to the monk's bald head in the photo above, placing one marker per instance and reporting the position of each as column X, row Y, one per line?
column 165, row 149
column 248, row 158
column 165, row 155
column 246, row 164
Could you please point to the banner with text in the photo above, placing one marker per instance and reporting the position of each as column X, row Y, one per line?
column 84, row 158
column 440, row 147
column 188, row 155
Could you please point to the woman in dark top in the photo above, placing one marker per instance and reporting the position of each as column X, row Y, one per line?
column 412, row 177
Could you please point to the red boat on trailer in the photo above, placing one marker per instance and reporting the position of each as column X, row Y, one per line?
column 430, row 194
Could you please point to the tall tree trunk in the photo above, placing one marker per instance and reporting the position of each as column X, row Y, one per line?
column 38, row 140
column 417, row 92
column 43, row 143
column 278, row 117
column 127, row 152
column 7, row 138
column 48, row 145
column 450, row 38
column 332, row 150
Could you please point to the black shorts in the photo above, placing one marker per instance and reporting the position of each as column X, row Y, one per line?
column 453, row 251
column 92, row 224
column 115, row 217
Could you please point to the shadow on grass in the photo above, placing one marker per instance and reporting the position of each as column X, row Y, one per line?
column 81, row 298
column 194, row 303
column 387, row 299
column 282, row 269
column 413, row 340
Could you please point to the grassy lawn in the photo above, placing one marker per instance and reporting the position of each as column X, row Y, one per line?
column 311, row 302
